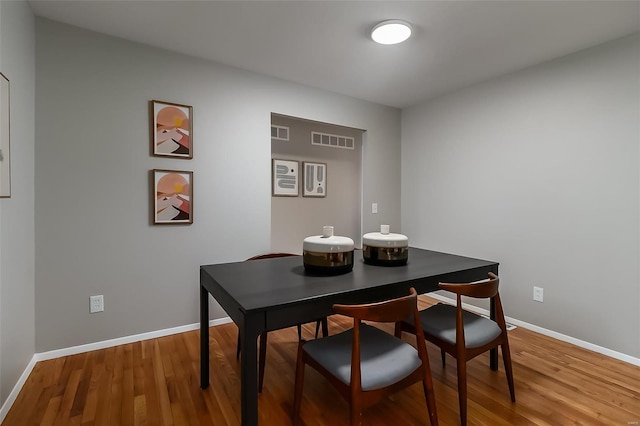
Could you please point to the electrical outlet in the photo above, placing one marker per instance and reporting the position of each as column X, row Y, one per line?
column 538, row 294
column 374, row 208
column 96, row 304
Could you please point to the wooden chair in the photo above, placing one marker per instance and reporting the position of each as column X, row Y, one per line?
column 365, row 363
column 262, row 354
column 463, row 334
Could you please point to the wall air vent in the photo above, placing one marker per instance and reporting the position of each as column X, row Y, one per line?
column 280, row 133
column 333, row 141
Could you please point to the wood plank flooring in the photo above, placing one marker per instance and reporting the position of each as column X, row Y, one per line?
column 156, row 382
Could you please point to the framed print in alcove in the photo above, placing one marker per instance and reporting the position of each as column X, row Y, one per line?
column 5, row 154
column 284, row 179
column 173, row 197
column 171, row 130
column 314, row 179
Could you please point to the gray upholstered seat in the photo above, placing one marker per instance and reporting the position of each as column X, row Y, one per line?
column 384, row 358
column 366, row 364
column 440, row 321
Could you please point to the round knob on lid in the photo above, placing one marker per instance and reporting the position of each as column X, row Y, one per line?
column 327, row 231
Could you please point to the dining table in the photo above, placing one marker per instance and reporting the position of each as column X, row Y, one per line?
column 272, row 294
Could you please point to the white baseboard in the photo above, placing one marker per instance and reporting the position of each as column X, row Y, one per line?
column 559, row 336
column 16, row 389
column 42, row 356
column 124, row 340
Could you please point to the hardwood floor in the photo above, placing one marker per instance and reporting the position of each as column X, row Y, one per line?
column 156, row 382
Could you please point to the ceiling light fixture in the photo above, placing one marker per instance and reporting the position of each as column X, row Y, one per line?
column 393, row 31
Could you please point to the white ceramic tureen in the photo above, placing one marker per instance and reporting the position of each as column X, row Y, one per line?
column 327, row 253
column 384, row 248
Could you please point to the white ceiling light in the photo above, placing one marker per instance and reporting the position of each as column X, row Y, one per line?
column 391, row 32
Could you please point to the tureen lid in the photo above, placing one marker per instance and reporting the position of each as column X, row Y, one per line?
column 385, row 239
column 327, row 242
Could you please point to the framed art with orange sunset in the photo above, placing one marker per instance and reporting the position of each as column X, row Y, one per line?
column 173, row 197
column 171, row 130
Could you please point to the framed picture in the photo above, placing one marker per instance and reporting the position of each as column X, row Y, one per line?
column 171, row 130
column 314, row 180
column 5, row 157
column 173, row 197
column 284, row 178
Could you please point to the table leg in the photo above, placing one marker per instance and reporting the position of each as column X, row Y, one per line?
column 249, row 373
column 204, row 338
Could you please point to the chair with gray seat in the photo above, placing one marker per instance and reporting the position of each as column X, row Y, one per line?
column 463, row 334
column 365, row 363
column 262, row 354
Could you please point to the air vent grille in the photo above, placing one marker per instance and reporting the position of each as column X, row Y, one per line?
column 332, row 141
column 280, row 133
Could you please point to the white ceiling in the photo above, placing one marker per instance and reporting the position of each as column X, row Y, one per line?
column 326, row 44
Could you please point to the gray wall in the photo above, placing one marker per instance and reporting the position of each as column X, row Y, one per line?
column 17, row 327
column 294, row 218
column 92, row 186
column 539, row 170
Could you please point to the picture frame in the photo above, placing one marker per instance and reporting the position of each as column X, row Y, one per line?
column 171, row 130
column 5, row 136
column 314, row 179
column 284, row 178
column 172, row 192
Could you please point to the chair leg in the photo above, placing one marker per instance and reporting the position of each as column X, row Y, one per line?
column 462, row 390
column 262, row 360
column 427, row 385
column 443, row 354
column 397, row 330
column 325, row 327
column 299, row 332
column 297, row 395
column 356, row 412
column 506, row 357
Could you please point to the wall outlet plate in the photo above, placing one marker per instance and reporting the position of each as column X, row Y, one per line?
column 96, row 304
column 538, row 294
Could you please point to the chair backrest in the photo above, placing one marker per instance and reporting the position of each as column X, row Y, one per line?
column 386, row 311
column 271, row 255
column 483, row 289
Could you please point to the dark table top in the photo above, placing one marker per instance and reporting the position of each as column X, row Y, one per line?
column 282, row 282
